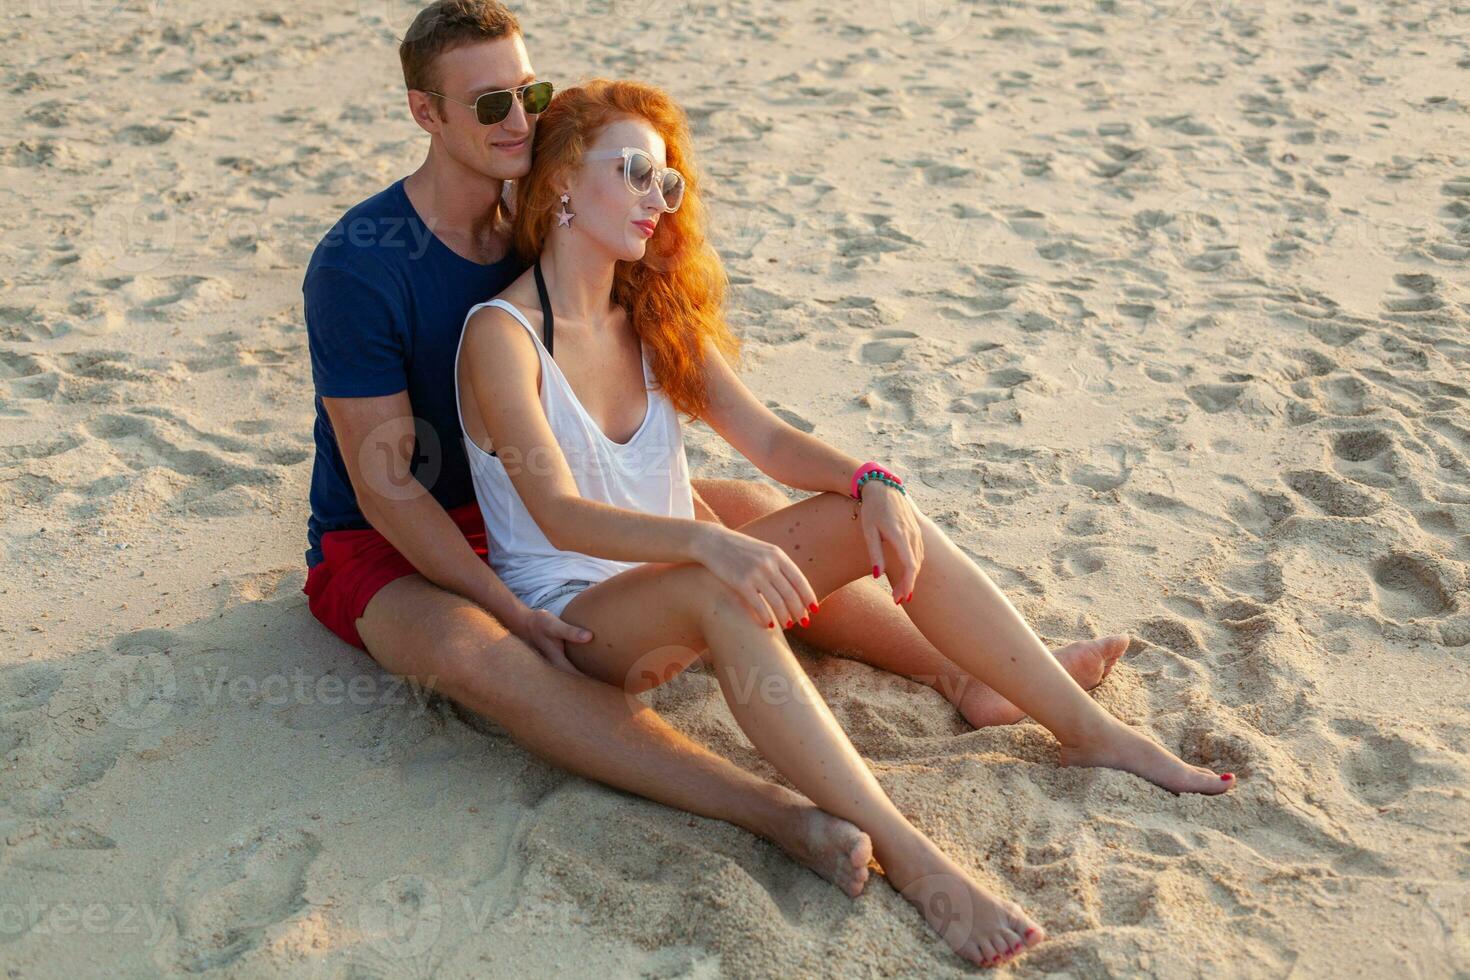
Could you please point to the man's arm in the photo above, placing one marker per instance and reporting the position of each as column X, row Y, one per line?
column 376, row 438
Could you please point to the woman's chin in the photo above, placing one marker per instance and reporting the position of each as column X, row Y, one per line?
column 635, row 251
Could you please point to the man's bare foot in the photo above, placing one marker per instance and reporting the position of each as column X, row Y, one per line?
column 1120, row 747
column 980, row 927
column 1088, row 661
column 830, row 846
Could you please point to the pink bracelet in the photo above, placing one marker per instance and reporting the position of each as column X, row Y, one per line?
column 868, row 467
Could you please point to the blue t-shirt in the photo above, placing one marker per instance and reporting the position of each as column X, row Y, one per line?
column 385, row 305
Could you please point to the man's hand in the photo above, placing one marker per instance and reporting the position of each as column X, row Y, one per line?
column 548, row 636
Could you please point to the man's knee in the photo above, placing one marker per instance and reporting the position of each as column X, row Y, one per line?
column 491, row 669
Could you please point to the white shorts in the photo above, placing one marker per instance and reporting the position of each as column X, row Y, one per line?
column 557, row 598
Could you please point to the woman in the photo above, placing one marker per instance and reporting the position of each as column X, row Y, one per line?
column 580, row 470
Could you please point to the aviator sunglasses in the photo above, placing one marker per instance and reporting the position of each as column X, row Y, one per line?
column 492, row 107
column 640, row 173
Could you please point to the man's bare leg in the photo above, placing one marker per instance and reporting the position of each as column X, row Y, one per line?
column 860, row 621
column 452, row 646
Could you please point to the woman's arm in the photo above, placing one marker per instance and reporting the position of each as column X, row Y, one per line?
column 778, row 449
column 803, row 461
column 504, row 366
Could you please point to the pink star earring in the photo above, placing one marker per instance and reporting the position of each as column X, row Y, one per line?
column 564, row 217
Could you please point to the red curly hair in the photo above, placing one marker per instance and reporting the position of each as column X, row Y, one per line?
column 675, row 295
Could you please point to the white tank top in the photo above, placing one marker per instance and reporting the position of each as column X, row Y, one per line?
column 648, row 473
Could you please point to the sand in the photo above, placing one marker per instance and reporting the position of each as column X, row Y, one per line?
column 1162, row 306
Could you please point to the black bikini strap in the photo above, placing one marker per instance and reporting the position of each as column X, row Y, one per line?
column 545, row 306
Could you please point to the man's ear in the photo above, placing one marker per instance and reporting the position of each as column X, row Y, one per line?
column 421, row 106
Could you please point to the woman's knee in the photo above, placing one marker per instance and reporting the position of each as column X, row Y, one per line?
column 702, row 592
column 739, row 502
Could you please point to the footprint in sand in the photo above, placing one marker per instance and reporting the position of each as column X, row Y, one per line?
column 1334, row 496
column 1104, row 477
column 1360, row 445
column 1410, row 587
column 1417, row 294
column 890, row 347
column 224, row 902
column 1383, row 768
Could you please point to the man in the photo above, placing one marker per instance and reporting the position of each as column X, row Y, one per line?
column 397, row 550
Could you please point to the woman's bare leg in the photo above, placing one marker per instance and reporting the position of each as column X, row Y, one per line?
column 971, row 622
column 448, row 644
column 861, row 622
column 652, row 621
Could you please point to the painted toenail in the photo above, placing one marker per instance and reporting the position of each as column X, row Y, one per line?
column 788, row 624
column 806, row 620
column 1227, row 776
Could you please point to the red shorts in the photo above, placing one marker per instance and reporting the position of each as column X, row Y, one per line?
column 356, row 564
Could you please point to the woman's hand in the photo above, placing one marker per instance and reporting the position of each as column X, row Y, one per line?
column 545, row 633
column 774, row 589
column 887, row 515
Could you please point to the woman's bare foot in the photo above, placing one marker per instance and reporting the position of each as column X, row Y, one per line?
column 1088, row 661
column 980, row 927
column 828, row 845
column 1120, row 747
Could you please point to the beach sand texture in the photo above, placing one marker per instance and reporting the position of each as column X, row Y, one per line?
column 1163, row 308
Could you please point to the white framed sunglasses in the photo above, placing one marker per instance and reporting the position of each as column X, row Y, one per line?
column 640, row 173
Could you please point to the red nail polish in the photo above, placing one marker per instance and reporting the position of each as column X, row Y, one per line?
column 875, row 571
column 1029, row 931
column 908, row 597
column 788, row 624
column 813, row 607
column 1227, row 776
column 806, row 620
column 770, row 626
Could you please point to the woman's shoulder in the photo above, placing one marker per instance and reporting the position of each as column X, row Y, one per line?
column 521, row 294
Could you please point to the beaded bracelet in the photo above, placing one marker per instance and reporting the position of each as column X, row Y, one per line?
column 885, row 478
column 872, row 471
